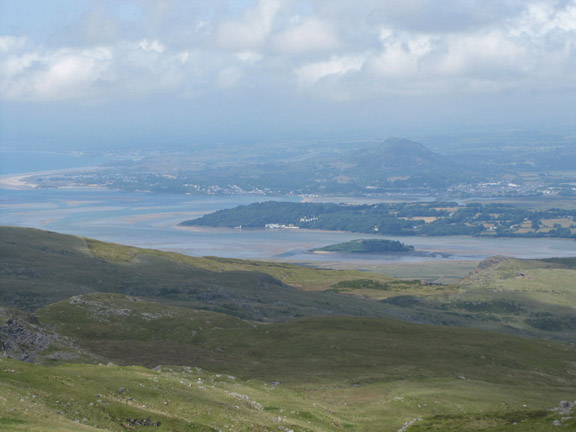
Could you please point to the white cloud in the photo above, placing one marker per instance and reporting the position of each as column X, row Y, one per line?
column 541, row 18
column 250, row 30
column 155, row 46
column 249, row 56
column 55, row 75
column 311, row 35
column 492, row 54
column 311, row 73
column 384, row 33
column 183, row 57
column 11, row 43
column 229, row 77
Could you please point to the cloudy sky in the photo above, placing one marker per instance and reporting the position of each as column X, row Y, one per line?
column 153, row 71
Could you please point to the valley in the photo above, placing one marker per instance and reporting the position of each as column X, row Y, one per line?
column 137, row 338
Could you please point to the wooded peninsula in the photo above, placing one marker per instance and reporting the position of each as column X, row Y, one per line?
column 432, row 219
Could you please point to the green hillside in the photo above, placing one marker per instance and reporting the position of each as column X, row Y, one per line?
column 351, row 349
column 544, row 292
column 40, row 267
column 108, row 397
column 98, row 397
column 134, row 339
column 530, row 297
column 535, row 297
column 313, row 374
column 527, row 296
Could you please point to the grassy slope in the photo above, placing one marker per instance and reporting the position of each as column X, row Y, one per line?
column 90, row 397
column 445, row 272
column 374, row 374
column 40, row 267
column 353, row 349
column 298, row 276
column 528, row 297
column 336, row 373
column 537, row 289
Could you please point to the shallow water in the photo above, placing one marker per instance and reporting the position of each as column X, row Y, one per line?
column 149, row 220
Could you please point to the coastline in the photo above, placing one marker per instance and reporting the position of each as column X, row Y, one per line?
column 195, row 228
column 18, row 181
column 373, row 235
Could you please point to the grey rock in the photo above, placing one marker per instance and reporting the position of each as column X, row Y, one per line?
column 23, row 337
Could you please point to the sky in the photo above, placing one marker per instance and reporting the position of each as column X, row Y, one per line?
column 155, row 72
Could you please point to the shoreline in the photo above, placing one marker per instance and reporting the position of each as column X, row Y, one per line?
column 195, row 228
column 17, row 181
column 380, row 236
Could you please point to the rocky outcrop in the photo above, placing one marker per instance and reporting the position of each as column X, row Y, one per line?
column 483, row 272
column 23, row 337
